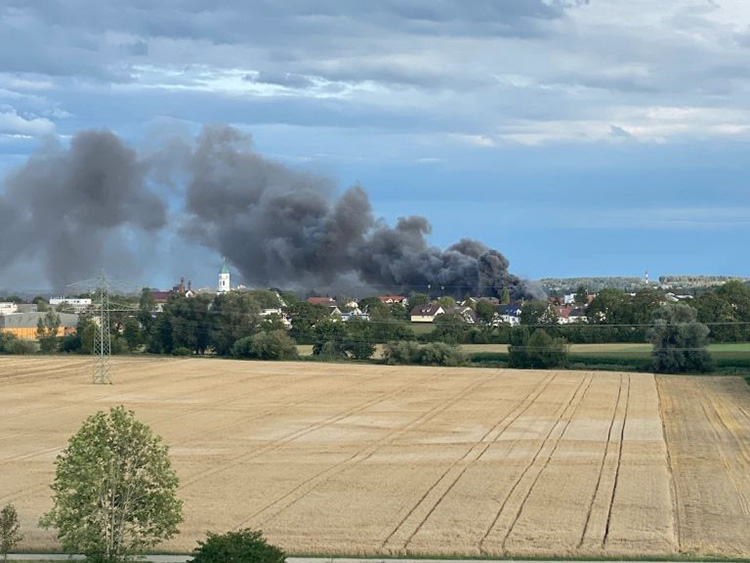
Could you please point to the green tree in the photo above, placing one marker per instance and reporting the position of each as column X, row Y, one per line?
column 234, row 316
column 131, row 332
column 241, row 546
column 610, row 306
column 418, row 299
column 680, row 341
column 446, row 302
column 146, row 311
column 331, row 333
column 538, row 351
column 538, row 313
column 47, row 329
column 114, row 492
column 10, row 530
column 272, row 345
column 359, row 340
column 485, row 311
column 582, row 296
column 449, row 328
column 505, row 296
column 304, row 317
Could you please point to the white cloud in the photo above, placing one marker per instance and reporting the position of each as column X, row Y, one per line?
column 13, row 124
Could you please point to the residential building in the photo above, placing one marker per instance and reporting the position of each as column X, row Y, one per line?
column 426, row 313
column 388, row 299
column 23, row 325
column 323, row 301
column 466, row 313
column 510, row 314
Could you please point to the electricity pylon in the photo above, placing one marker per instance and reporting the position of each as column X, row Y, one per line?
column 102, row 337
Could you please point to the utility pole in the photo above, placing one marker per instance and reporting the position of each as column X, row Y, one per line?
column 102, row 338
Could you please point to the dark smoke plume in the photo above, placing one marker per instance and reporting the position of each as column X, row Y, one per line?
column 66, row 205
column 276, row 225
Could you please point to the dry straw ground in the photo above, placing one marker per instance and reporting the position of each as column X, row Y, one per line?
column 333, row 458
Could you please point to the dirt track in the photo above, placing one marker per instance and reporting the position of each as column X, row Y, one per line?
column 375, row 459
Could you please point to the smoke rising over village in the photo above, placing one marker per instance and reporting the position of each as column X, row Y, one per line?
column 98, row 202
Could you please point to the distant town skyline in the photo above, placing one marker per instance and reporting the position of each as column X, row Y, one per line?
column 579, row 138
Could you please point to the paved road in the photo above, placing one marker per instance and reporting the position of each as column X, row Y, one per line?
column 185, row 558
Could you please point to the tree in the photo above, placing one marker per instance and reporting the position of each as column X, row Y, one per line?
column 449, row 328
column 539, row 350
column 132, row 333
column 272, row 345
column 538, row 313
column 446, row 302
column 114, row 492
column 359, row 340
column 418, row 299
column 582, row 296
column 505, row 296
column 241, row 546
column 47, row 329
column 680, row 341
column 485, row 311
column 10, row 530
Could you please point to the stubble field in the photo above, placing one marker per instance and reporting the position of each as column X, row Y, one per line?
column 335, row 458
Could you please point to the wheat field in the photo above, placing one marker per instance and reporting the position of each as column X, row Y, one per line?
column 366, row 459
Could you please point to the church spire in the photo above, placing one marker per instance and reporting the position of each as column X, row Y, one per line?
column 225, row 283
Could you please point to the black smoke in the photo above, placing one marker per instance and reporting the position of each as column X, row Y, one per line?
column 277, row 225
column 68, row 205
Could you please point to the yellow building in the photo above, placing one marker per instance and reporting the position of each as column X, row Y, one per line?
column 23, row 325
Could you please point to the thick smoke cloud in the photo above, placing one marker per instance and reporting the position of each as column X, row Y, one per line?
column 276, row 225
column 66, row 205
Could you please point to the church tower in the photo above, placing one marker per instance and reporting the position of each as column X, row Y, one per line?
column 224, row 279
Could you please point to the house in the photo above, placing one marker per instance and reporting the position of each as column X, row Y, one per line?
column 426, row 313
column 466, row 313
column 578, row 315
column 323, row 301
column 78, row 305
column 510, row 314
column 8, row 308
column 265, row 313
column 23, row 325
column 389, row 299
column 355, row 313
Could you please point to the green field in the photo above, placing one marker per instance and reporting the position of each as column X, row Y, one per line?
column 623, row 350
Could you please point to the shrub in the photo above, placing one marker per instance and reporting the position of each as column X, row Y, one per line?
column 680, row 341
column 539, row 351
column 22, row 347
column 241, row 546
column 434, row 354
column 6, row 342
column 182, row 351
column 272, row 345
column 404, row 352
column 442, row 354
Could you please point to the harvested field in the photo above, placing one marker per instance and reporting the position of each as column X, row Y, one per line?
column 366, row 459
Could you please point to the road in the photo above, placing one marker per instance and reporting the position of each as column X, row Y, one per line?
column 186, row 558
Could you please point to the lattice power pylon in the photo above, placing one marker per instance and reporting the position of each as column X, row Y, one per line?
column 102, row 338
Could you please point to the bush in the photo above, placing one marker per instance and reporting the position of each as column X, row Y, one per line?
column 539, row 351
column 242, row 546
column 434, row 354
column 22, row 347
column 272, row 345
column 404, row 352
column 442, row 354
column 182, row 351
column 680, row 341
column 6, row 342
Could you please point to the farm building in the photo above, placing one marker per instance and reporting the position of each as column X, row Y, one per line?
column 23, row 325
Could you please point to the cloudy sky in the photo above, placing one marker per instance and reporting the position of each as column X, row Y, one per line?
column 578, row 137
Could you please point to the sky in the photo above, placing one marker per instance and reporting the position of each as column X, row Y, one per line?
column 578, row 137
